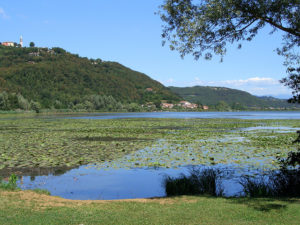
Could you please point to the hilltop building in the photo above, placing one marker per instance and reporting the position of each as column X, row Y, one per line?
column 21, row 41
column 13, row 44
column 8, row 43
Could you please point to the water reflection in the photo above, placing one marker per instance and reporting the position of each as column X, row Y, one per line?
column 91, row 183
column 38, row 171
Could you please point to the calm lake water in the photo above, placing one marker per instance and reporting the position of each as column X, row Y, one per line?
column 194, row 115
column 97, row 184
column 88, row 182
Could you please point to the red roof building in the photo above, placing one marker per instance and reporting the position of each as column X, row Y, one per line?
column 8, row 43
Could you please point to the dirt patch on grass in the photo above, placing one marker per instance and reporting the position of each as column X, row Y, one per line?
column 161, row 200
column 41, row 201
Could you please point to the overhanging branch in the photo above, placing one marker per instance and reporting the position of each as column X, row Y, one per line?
column 288, row 30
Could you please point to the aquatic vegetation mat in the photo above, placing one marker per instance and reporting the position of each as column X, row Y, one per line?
column 125, row 143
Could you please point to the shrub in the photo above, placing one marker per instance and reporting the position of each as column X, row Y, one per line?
column 11, row 184
column 35, row 106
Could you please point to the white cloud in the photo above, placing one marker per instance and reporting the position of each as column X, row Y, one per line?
column 3, row 14
column 249, row 81
column 170, row 81
column 255, row 85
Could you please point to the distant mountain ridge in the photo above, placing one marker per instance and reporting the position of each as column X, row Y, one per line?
column 208, row 95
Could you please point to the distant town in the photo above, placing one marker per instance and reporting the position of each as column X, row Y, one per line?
column 182, row 104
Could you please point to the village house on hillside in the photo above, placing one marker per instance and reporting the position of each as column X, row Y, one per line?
column 205, row 107
column 34, row 54
column 187, row 105
column 167, row 105
column 149, row 89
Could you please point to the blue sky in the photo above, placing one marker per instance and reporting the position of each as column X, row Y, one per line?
column 128, row 32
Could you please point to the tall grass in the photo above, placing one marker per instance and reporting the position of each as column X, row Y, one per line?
column 261, row 186
column 198, row 182
column 282, row 183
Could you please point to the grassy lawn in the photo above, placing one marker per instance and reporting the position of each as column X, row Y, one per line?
column 26, row 207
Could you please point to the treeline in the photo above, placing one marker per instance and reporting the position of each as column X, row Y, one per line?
column 223, row 106
column 17, row 101
column 14, row 102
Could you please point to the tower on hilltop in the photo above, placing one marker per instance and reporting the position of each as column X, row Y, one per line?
column 21, row 41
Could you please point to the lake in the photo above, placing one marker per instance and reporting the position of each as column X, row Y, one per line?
column 140, row 174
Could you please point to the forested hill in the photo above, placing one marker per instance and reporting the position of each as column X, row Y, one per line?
column 232, row 97
column 54, row 76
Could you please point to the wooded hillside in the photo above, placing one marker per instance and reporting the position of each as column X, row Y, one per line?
column 56, row 77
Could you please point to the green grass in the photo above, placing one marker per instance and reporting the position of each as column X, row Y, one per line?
column 41, row 191
column 41, row 209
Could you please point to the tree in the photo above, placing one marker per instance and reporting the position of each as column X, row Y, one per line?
column 200, row 105
column 293, row 82
column 4, row 103
column 204, row 27
column 58, row 50
column 36, row 106
column 157, row 103
column 222, row 106
column 133, row 107
column 31, row 44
